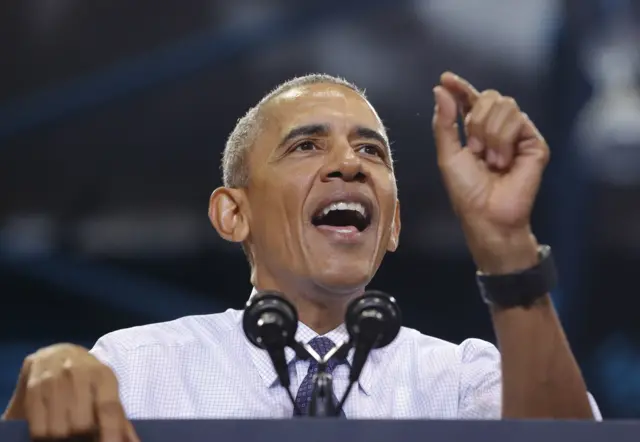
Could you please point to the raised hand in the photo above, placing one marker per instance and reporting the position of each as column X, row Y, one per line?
column 65, row 391
column 493, row 181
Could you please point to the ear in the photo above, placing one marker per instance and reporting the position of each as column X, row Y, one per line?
column 226, row 212
column 394, row 238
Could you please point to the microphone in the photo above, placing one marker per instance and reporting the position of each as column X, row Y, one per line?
column 270, row 323
column 373, row 321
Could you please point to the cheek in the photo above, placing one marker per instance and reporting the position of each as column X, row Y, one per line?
column 388, row 195
column 276, row 221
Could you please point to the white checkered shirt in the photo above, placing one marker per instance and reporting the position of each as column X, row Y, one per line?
column 203, row 367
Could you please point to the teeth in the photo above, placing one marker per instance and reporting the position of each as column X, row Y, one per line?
column 341, row 205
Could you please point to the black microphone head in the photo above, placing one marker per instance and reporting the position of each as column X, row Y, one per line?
column 270, row 320
column 374, row 318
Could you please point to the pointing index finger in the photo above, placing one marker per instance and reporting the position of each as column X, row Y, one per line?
column 465, row 93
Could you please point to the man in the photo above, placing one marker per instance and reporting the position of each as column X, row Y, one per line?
column 310, row 193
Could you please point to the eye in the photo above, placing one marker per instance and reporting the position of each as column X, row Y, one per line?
column 371, row 149
column 305, row 146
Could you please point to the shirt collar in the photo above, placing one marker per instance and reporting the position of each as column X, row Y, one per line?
column 304, row 334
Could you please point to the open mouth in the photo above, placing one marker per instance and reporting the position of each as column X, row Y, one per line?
column 343, row 214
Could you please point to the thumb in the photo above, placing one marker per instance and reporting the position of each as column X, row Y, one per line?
column 445, row 125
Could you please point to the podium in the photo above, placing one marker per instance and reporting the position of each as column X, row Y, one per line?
column 309, row 430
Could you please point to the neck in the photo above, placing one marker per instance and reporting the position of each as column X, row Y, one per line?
column 322, row 309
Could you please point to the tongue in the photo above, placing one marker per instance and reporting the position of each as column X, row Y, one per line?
column 339, row 229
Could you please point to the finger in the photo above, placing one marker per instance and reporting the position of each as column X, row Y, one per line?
column 511, row 131
column 503, row 144
column 81, row 416
column 465, row 94
column 528, row 168
column 56, row 396
column 108, row 409
column 529, row 129
column 35, row 407
column 445, row 127
column 532, row 144
column 16, row 409
column 533, row 155
column 475, row 121
column 131, row 434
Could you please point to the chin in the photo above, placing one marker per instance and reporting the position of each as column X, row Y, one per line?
column 345, row 280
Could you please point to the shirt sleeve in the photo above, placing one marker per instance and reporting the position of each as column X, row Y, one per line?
column 480, row 382
column 480, row 393
column 109, row 352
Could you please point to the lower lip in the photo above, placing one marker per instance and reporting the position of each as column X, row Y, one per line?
column 348, row 234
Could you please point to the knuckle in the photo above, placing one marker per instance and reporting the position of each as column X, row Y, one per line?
column 475, row 120
column 545, row 155
column 77, row 373
column 68, row 364
column 475, row 125
column 490, row 94
column 33, row 384
column 509, row 101
column 43, row 381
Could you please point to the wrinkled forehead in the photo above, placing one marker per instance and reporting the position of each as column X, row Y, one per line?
column 337, row 106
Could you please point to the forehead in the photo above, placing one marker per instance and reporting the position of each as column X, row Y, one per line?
column 335, row 105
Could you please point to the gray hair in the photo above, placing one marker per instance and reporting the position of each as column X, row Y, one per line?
column 235, row 170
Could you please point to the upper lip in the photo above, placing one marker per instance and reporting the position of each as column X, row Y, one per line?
column 347, row 197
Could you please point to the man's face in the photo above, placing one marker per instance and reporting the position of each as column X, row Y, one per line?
column 322, row 193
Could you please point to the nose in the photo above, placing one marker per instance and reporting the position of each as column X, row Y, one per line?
column 343, row 163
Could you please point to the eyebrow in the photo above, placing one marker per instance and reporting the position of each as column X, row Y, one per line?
column 365, row 132
column 310, row 130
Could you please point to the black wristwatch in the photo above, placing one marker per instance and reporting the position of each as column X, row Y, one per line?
column 520, row 289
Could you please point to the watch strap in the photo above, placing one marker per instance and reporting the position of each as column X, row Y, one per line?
column 520, row 289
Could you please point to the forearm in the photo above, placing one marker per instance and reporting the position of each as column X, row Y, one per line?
column 540, row 376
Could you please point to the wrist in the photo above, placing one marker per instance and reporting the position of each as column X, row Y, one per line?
column 500, row 253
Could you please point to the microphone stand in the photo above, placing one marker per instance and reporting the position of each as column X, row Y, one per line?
column 322, row 403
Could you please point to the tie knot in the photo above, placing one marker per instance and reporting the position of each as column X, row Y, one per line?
column 321, row 345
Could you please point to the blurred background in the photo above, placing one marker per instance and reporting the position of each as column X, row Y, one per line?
column 114, row 114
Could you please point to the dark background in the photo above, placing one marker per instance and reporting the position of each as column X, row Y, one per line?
column 114, row 114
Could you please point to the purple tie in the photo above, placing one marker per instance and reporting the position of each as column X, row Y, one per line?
column 321, row 345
